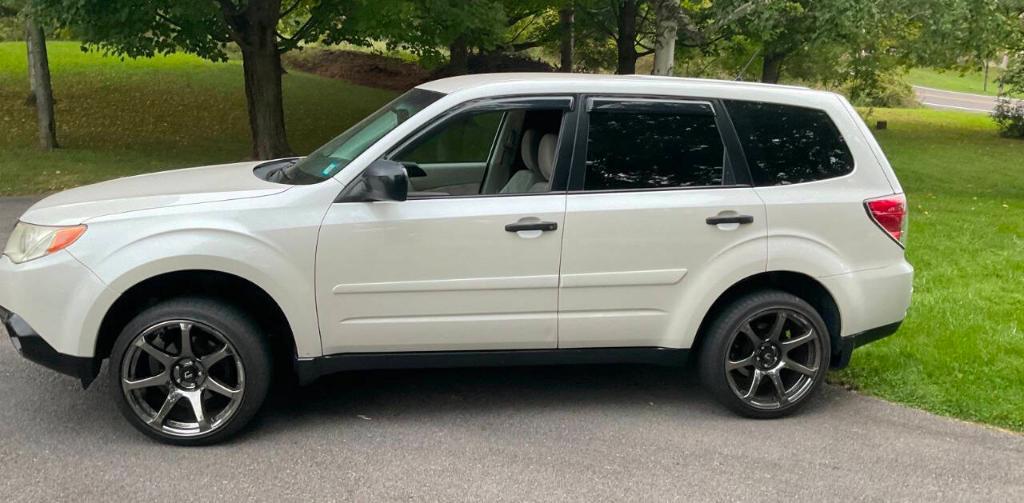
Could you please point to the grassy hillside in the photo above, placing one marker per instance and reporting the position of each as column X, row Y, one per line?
column 961, row 350
column 122, row 117
column 952, row 80
column 960, row 353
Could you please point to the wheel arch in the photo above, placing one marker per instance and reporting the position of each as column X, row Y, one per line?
column 796, row 283
column 224, row 286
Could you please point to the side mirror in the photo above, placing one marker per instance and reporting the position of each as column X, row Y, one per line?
column 383, row 180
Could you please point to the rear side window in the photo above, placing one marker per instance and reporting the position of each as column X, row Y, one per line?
column 786, row 144
column 632, row 149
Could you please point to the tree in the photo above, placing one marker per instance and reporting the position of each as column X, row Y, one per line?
column 566, row 20
column 640, row 28
column 698, row 25
column 40, row 87
column 261, row 29
column 861, row 40
column 623, row 22
column 426, row 26
column 667, row 14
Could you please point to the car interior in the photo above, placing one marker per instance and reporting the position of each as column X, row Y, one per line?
column 492, row 152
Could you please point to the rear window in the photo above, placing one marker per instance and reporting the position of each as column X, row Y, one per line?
column 787, row 144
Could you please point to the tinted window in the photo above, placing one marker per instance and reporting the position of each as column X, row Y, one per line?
column 465, row 139
column 786, row 144
column 644, row 150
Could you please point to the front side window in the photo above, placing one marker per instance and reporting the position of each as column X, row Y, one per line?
column 467, row 139
column 484, row 152
column 653, row 149
column 787, row 144
column 331, row 158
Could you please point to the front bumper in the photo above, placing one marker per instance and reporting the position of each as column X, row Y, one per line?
column 61, row 299
column 31, row 346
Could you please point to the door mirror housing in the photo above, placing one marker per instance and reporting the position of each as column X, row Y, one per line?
column 382, row 180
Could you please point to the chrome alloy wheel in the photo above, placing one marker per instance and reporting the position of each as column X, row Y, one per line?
column 182, row 378
column 774, row 359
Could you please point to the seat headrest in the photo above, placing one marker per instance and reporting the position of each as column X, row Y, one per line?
column 546, row 155
column 531, row 141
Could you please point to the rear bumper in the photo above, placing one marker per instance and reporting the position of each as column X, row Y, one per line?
column 841, row 359
column 31, row 346
column 871, row 298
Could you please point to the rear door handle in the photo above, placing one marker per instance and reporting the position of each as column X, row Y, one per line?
column 731, row 219
column 531, row 226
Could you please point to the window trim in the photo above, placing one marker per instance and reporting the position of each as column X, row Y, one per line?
column 553, row 101
column 736, row 165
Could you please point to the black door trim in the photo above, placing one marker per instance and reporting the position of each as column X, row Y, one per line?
column 309, row 369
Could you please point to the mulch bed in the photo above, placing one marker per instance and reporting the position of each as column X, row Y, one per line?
column 361, row 68
column 376, row 70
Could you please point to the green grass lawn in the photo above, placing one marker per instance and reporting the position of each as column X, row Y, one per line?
column 960, row 352
column 118, row 118
column 952, row 80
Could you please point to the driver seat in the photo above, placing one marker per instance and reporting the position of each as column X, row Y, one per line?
column 539, row 156
column 524, row 179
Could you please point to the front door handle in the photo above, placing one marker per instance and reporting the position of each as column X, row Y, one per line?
column 730, row 219
column 531, row 226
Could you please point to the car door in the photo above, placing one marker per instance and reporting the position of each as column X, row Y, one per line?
column 657, row 216
column 446, row 270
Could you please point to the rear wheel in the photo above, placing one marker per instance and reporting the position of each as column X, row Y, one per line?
column 191, row 371
column 766, row 355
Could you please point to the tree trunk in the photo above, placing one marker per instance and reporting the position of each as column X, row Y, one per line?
column 566, row 20
column 459, row 56
column 771, row 68
column 31, row 99
column 626, row 41
column 265, row 102
column 42, row 90
column 254, row 29
column 667, row 20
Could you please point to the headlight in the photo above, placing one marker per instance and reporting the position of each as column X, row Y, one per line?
column 29, row 242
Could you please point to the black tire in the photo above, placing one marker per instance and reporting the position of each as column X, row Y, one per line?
column 248, row 358
column 727, row 340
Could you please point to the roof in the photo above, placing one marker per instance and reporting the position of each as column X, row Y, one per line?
column 463, row 82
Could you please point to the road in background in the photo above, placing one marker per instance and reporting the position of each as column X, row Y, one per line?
column 585, row 433
column 951, row 100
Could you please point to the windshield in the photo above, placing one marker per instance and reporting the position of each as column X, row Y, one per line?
column 331, row 158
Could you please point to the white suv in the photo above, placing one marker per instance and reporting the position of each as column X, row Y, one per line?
column 484, row 220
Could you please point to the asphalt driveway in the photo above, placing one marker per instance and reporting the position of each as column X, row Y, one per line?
column 589, row 433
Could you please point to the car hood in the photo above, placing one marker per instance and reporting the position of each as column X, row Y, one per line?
column 155, row 190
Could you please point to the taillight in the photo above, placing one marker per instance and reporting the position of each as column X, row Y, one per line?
column 890, row 213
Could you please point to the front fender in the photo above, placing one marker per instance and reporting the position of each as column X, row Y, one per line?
column 280, row 261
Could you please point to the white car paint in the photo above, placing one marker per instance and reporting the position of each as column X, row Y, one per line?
column 442, row 274
column 633, row 263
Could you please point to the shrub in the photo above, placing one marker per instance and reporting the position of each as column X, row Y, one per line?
column 1009, row 117
column 1009, row 113
column 885, row 90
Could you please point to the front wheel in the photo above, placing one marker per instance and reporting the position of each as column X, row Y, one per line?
column 765, row 355
column 190, row 371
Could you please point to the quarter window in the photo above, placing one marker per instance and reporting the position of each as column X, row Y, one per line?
column 787, row 144
column 652, row 149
